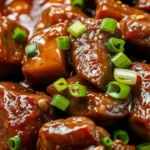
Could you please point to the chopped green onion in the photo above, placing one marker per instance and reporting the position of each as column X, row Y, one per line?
column 108, row 25
column 77, row 29
column 77, row 90
column 118, row 90
column 125, row 76
column 106, row 141
column 115, row 45
column 63, row 42
column 143, row 146
column 32, row 50
column 60, row 84
column 19, row 34
column 77, row 3
column 121, row 135
column 60, row 102
column 14, row 143
column 120, row 60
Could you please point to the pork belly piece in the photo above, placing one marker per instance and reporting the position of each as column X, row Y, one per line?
column 90, row 57
column 50, row 63
column 21, row 114
column 11, row 50
column 143, row 4
column 137, row 34
column 70, row 134
column 117, row 10
column 96, row 105
column 117, row 145
column 139, row 117
column 59, row 13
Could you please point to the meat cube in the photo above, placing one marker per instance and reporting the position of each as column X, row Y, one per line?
column 50, row 63
column 90, row 57
column 96, row 105
column 116, row 10
column 57, row 14
column 69, row 134
column 139, row 117
column 117, row 145
column 21, row 114
column 143, row 4
column 137, row 34
column 11, row 50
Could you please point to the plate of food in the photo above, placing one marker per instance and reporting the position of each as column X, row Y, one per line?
column 74, row 75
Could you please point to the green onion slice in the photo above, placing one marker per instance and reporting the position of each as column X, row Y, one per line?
column 121, row 135
column 19, row 34
column 106, row 141
column 125, row 76
column 120, row 60
column 77, row 29
column 77, row 90
column 108, row 25
column 78, row 3
column 14, row 143
column 118, row 90
column 63, row 42
column 60, row 102
column 32, row 50
column 60, row 84
column 143, row 146
column 115, row 45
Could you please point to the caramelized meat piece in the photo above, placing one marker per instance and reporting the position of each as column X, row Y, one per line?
column 57, row 14
column 137, row 33
column 50, row 63
column 117, row 145
column 143, row 4
column 139, row 117
column 96, row 105
column 69, row 134
column 21, row 115
column 115, row 9
column 90, row 58
column 11, row 51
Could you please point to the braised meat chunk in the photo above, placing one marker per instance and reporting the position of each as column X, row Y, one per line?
column 90, row 58
column 11, row 49
column 116, row 9
column 143, row 4
column 57, row 14
column 137, row 33
column 139, row 118
column 96, row 105
column 21, row 115
column 50, row 63
column 73, row 133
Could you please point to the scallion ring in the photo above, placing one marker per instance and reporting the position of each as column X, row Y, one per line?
column 120, row 60
column 63, row 42
column 19, row 34
column 108, row 25
column 115, row 45
column 121, row 135
column 118, row 90
column 78, row 3
column 60, row 84
column 106, row 141
column 77, row 90
column 143, row 146
column 125, row 76
column 77, row 29
column 60, row 102
column 14, row 143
